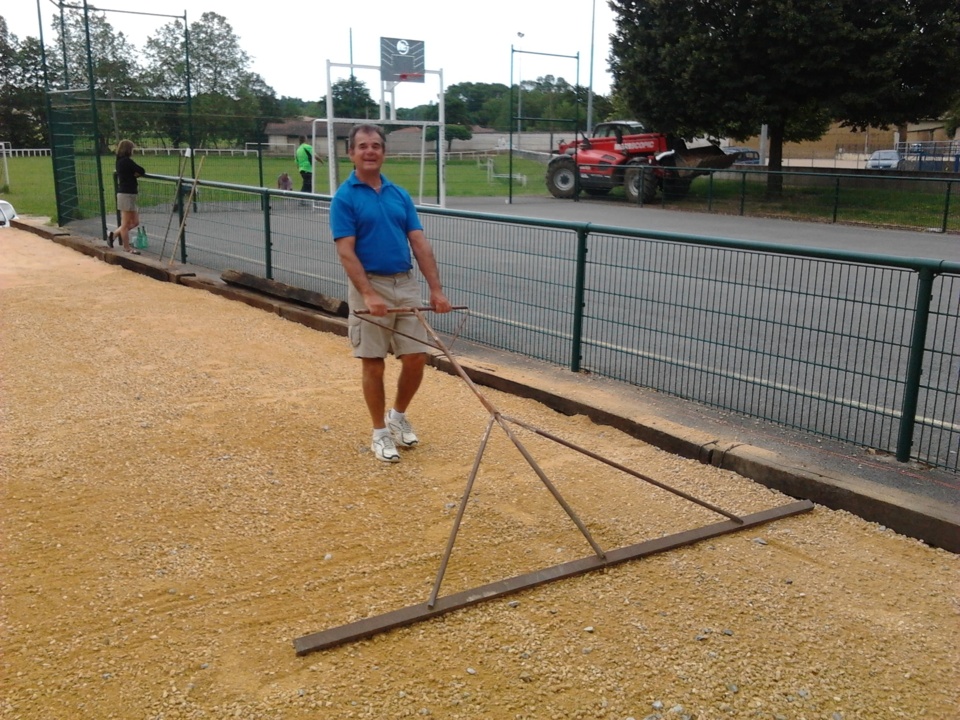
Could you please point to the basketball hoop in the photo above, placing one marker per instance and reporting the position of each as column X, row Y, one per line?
column 401, row 60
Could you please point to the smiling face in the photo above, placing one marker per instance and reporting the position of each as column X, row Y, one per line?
column 367, row 151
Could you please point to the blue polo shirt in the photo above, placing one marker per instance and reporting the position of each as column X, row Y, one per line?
column 379, row 221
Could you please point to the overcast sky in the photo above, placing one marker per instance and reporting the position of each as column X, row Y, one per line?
column 290, row 43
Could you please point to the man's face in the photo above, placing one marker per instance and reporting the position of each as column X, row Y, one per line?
column 367, row 152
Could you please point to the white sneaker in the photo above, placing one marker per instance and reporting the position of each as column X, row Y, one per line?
column 384, row 448
column 402, row 431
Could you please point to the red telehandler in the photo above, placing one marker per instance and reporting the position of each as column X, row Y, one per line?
column 622, row 153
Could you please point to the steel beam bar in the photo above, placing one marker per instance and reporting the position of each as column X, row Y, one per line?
column 423, row 611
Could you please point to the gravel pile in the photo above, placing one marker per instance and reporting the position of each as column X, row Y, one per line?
column 187, row 487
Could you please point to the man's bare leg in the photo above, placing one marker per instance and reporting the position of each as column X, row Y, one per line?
column 411, row 375
column 373, row 392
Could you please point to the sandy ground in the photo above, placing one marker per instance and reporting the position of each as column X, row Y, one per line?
column 187, row 487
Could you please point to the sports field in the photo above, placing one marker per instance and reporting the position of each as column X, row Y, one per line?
column 188, row 487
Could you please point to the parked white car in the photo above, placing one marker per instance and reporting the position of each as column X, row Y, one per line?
column 885, row 160
column 7, row 213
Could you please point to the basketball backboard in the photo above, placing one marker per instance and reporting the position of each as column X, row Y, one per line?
column 401, row 60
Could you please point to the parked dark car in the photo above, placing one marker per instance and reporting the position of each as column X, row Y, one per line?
column 885, row 160
column 745, row 155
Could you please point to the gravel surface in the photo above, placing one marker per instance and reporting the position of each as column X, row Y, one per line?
column 187, row 487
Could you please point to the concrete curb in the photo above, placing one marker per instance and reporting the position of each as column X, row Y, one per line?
column 935, row 523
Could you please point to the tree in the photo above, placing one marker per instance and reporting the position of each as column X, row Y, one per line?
column 90, row 52
column 726, row 67
column 913, row 51
column 166, row 56
column 952, row 117
column 218, row 64
column 351, row 99
column 255, row 106
column 231, row 103
column 22, row 109
column 450, row 133
column 114, row 73
column 430, row 111
column 485, row 103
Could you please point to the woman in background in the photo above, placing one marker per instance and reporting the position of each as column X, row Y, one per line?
column 127, row 173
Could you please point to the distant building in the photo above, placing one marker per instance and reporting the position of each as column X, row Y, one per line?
column 283, row 137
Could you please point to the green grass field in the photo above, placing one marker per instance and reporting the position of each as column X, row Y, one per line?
column 31, row 191
column 30, row 186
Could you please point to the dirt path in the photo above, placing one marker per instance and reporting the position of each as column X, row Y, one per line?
column 186, row 488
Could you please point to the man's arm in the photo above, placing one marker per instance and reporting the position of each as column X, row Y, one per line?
column 427, row 263
column 347, row 252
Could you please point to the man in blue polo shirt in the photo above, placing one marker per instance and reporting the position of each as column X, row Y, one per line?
column 376, row 229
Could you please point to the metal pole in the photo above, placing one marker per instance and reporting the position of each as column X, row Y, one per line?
column 946, row 207
column 519, row 97
column 460, row 511
column 576, row 348
column 593, row 23
column 510, row 132
column 267, row 240
column 190, row 133
column 96, row 124
column 911, row 383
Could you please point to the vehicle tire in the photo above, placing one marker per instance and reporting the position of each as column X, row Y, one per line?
column 596, row 192
column 640, row 183
column 562, row 178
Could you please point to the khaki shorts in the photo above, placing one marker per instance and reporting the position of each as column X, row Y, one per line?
column 375, row 339
column 127, row 202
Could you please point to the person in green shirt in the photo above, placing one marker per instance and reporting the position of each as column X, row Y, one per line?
column 304, row 156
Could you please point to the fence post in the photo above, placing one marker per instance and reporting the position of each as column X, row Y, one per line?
column 710, row 192
column 184, row 211
column 259, row 161
column 578, row 294
column 116, row 189
column 911, row 386
column 836, row 199
column 946, row 207
column 267, row 242
column 181, row 205
column 743, row 190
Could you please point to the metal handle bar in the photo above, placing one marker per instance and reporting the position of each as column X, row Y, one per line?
column 410, row 309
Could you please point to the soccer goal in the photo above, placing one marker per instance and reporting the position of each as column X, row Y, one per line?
column 401, row 61
column 5, row 151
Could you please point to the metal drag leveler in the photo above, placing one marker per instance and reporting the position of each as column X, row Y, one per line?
column 601, row 558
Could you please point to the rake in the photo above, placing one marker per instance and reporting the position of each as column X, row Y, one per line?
column 435, row 605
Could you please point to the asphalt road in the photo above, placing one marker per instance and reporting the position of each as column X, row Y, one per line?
column 900, row 243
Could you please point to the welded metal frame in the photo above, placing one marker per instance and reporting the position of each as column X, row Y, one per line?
column 601, row 558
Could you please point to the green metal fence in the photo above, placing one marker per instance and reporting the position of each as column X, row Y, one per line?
column 857, row 347
column 76, row 161
column 919, row 201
